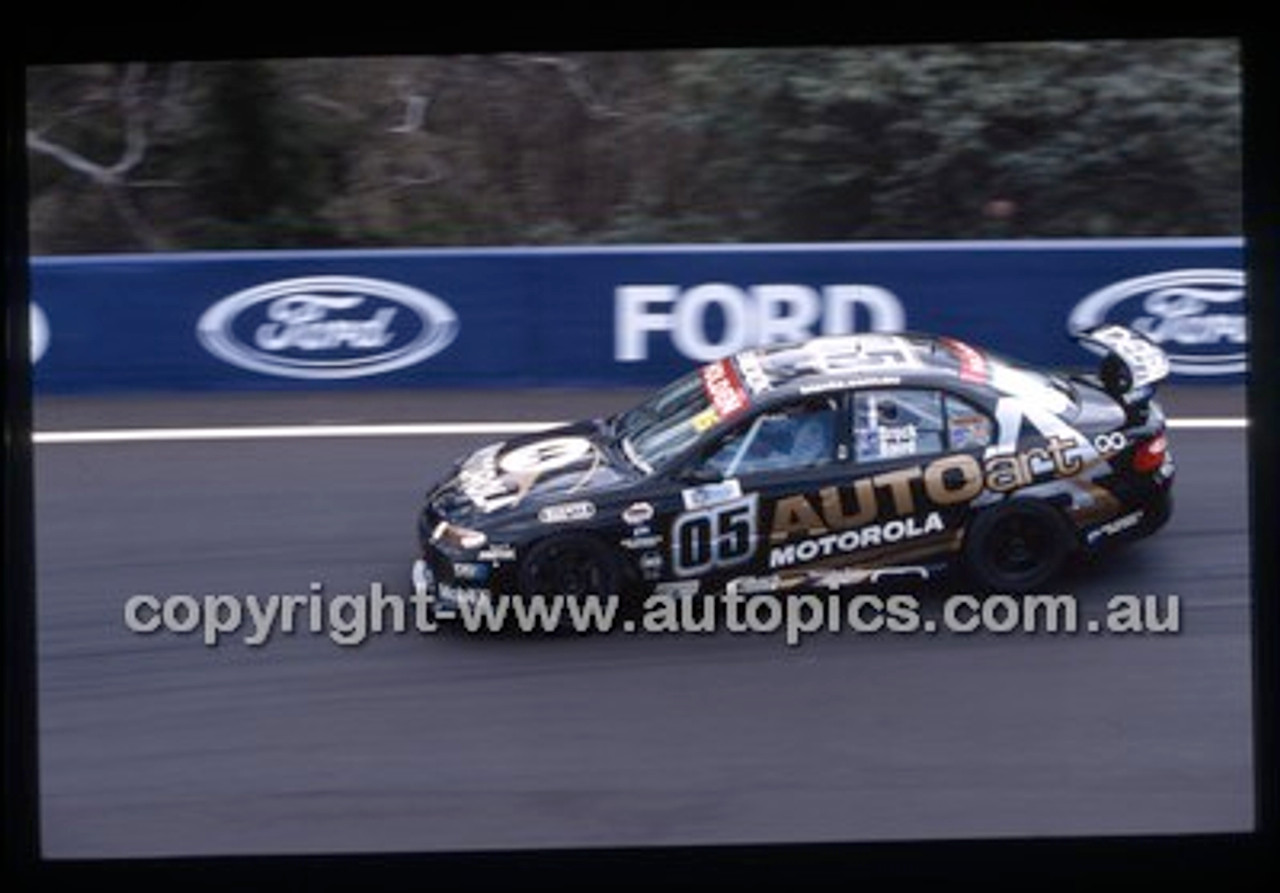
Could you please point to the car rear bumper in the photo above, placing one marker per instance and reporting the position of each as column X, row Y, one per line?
column 1138, row 522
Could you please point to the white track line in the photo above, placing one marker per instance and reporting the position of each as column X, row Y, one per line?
column 269, row 432
column 425, row 429
column 1206, row 423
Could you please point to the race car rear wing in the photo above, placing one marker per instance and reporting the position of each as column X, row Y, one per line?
column 1131, row 365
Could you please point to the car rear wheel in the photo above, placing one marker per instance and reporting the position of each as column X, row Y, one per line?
column 1017, row 546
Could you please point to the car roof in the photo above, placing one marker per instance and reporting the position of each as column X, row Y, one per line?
column 838, row 362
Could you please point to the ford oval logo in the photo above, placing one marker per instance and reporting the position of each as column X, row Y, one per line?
column 327, row 327
column 39, row 333
column 1197, row 316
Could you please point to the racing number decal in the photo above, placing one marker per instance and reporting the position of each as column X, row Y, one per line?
column 718, row 536
column 865, row 353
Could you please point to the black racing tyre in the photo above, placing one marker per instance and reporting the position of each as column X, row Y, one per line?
column 570, row 565
column 1017, row 546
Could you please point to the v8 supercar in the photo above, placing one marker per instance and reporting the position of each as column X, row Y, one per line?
column 821, row 465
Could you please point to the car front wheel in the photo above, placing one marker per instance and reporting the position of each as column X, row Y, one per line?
column 573, row 565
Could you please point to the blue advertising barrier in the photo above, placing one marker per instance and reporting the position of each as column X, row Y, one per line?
column 605, row 316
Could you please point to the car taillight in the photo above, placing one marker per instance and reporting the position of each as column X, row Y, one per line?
column 1150, row 454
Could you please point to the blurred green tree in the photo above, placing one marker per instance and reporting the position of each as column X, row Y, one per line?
column 1002, row 140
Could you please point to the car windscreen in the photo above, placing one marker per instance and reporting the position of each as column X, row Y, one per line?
column 664, row 426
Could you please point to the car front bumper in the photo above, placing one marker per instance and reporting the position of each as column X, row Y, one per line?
column 445, row 597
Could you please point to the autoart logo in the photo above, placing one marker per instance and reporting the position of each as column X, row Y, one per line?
column 1197, row 316
column 327, row 327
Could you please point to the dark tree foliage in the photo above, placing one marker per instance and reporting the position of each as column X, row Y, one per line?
column 1004, row 140
column 259, row 167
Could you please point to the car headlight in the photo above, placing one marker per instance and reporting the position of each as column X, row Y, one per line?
column 459, row 537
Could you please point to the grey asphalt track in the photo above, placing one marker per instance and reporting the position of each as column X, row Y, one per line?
column 157, row 745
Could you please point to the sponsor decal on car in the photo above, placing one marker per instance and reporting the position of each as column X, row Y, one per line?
column 865, row 354
column 447, row 593
column 1197, row 316
column 470, row 570
column 973, row 365
column 722, row 535
column 1116, row 526
column 710, row 494
column 327, row 327
column 479, row 479
column 493, row 479
column 497, row 553
column 567, row 512
column 857, row 539
column 638, row 513
column 842, row 577
column 641, row 541
column 946, row 481
column 546, row 456
column 753, row 374
column 724, row 389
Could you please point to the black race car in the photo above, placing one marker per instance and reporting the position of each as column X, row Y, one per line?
column 828, row 464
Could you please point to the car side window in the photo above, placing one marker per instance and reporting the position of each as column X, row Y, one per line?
column 894, row 423
column 967, row 426
column 792, row 439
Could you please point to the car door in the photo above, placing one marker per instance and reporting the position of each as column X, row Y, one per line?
column 916, row 459
column 730, row 489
